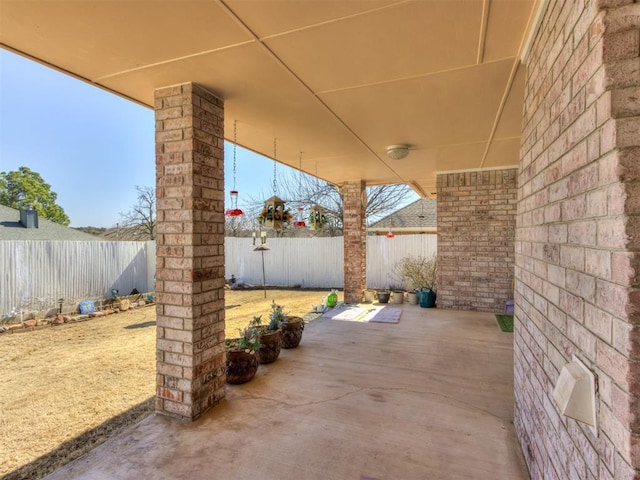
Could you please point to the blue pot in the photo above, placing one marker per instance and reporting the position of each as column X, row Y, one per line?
column 427, row 298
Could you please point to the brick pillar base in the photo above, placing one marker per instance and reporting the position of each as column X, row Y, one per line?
column 190, row 250
column 355, row 241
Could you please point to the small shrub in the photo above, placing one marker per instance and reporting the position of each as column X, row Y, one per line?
column 418, row 272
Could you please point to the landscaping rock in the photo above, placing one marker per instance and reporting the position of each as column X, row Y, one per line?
column 30, row 323
column 59, row 320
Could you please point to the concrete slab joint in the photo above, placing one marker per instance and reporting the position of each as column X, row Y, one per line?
column 190, row 250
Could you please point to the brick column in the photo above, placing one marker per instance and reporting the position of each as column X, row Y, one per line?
column 355, row 241
column 476, row 232
column 190, row 250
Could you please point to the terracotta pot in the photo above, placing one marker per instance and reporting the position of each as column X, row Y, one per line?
column 241, row 366
column 271, row 342
column 292, row 329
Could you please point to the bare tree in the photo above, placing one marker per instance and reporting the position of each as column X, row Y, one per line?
column 305, row 190
column 241, row 226
column 142, row 215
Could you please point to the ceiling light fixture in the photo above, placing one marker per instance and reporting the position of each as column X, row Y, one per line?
column 397, row 152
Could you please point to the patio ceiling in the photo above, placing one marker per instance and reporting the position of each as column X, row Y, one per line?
column 337, row 80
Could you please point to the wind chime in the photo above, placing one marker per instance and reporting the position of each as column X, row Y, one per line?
column 234, row 211
column 273, row 214
column 299, row 222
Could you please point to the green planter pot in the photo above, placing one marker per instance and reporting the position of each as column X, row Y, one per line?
column 427, row 298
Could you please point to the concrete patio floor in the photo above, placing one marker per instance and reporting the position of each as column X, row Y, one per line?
column 428, row 398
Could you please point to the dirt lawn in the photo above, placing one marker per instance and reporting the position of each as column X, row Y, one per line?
column 65, row 389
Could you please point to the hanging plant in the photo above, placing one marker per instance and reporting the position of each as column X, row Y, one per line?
column 274, row 213
column 317, row 218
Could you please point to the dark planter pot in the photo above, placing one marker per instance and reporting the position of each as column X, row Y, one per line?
column 427, row 298
column 241, row 366
column 292, row 329
column 383, row 297
column 271, row 342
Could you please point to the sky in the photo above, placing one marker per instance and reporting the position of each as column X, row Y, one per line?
column 91, row 146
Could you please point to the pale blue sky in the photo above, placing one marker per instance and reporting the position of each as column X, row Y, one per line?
column 91, row 146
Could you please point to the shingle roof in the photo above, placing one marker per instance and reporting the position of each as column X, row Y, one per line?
column 12, row 229
column 418, row 215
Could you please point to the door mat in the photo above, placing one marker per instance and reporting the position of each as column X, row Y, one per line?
column 505, row 322
column 384, row 315
column 350, row 313
column 353, row 313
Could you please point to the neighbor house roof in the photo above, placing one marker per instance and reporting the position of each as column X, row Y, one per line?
column 12, row 229
column 419, row 216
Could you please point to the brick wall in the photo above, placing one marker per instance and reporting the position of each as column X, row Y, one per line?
column 577, row 238
column 476, row 229
column 355, row 241
column 190, row 250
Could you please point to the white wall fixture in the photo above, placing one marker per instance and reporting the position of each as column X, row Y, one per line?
column 575, row 393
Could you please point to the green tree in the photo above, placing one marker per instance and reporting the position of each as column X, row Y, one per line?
column 26, row 187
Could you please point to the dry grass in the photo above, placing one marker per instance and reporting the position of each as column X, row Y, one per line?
column 64, row 390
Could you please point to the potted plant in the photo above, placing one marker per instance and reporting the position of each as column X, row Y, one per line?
column 420, row 274
column 369, row 295
column 270, row 338
column 243, row 357
column 383, row 296
column 398, row 294
column 290, row 326
column 412, row 297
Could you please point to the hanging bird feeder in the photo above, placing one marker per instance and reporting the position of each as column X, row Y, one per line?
column 234, row 211
column 299, row 222
column 317, row 218
column 274, row 214
column 390, row 233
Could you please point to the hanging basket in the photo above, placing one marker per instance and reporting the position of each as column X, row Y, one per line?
column 292, row 329
column 274, row 215
column 317, row 218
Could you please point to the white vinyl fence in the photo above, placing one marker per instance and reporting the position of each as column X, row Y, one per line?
column 35, row 274
column 318, row 262
column 308, row 262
